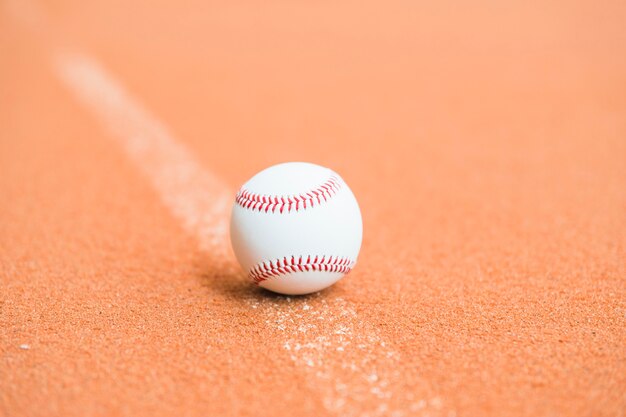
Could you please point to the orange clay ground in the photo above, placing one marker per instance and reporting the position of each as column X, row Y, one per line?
column 486, row 144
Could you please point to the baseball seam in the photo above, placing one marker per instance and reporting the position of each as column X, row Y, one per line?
column 285, row 204
column 282, row 266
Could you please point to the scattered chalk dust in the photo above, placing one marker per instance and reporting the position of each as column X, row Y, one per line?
column 351, row 367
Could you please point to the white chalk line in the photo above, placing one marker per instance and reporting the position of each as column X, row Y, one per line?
column 315, row 335
column 197, row 198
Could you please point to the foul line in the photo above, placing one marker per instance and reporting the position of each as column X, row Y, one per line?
column 201, row 202
column 196, row 197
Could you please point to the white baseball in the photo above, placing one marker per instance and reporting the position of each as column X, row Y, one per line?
column 296, row 228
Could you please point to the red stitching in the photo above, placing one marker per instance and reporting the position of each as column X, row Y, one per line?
column 265, row 203
column 282, row 266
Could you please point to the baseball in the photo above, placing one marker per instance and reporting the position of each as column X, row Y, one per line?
column 296, row 228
